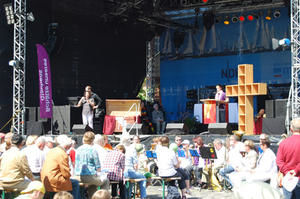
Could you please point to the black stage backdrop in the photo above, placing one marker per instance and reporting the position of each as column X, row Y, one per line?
column 108, row 54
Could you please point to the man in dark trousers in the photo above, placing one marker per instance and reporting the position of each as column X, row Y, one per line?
column 288, row 158
column 99, row 110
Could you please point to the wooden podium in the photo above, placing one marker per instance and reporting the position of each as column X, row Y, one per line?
column 245, row 90
column 210, row 111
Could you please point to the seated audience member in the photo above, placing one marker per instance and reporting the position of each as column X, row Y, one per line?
column 266, row 168
column 72, row 153
column 55, row 173
column 107, row 146
column 234, row 158
column 14, row 166
column 35, row 190
column 99, row 143
column 102, row 194
column 198, row 164
column 221, row 152
column 7, row 140
column 2, row 143
column 186, row 163
column 36, row 156
column 167, row 164
column 49, row 144
column 178, row 141
column 131, row 168
column 87, row 164
column 114, row 164
column 31, row 140
column 63, row 195
column 158, row 119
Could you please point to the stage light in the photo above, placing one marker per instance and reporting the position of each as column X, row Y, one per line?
column 250, row 17
column 30, row 17
column 269, row 15
column 9, row 12
column 226, row 20
column 242, row 18
column 276, row 14
column 285, row 42
column 204, row 1
column 234, row 19
column 13, row 63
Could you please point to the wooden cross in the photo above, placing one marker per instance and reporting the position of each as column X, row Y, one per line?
column 245, row 90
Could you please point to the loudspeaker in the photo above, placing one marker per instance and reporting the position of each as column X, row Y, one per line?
column 219, row 128
column 274, row 126
column 35, row 128
column 78, row 129
column 31, row 114
column 270, row 107
column 280, row 108
column 61, row 119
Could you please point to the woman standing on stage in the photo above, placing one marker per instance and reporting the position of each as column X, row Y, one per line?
column 87, row 104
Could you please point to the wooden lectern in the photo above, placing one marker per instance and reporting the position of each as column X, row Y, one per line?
column 210, row 110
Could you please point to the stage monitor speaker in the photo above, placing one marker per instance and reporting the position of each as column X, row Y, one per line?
column 219, row 128
column 280, row 108
column 35, row 128
column 274, row 126
column 78, row 129
column 270, row 107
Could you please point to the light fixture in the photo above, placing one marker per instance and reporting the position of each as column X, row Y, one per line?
column 13, row 63
column 234, row 19
column 226, row 20
column 250, row 17
column 241, row 18
column 276, row 14
column 204, row 1
column 9, row 12
column 269, row 15
column 30, row 17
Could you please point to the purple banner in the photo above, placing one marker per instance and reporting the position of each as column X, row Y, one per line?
column 44, row 82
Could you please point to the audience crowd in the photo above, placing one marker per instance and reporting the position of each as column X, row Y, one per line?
column 41, row 166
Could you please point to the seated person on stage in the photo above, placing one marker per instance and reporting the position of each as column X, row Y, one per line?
column 248, row 163
column 36, row 156
column 258, row 120
column 87, row 165
column 114, row 164
column 222, row 99
column 234, row 158
column 55, row 173
column 158, row 119
column 14, row 166
column 131, row 167
column 167, row 164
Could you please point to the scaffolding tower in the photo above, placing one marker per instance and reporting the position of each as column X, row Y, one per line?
column 19, row 57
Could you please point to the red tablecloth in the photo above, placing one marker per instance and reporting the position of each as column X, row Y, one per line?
column 109, row 125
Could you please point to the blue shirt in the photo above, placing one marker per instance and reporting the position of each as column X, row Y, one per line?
column 130, row 159
column 86, row 161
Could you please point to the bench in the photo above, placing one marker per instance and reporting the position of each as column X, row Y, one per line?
column 132, row 181
column 164, row 180
column 12, row 192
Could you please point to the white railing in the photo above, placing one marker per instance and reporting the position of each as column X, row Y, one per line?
column 136, row 117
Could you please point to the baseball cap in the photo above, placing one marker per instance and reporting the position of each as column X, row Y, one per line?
column 34, row 186
column 186, row 142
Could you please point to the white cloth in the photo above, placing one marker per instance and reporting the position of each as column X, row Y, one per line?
column 235, row 157
column 220, row 161
column 102, row 152
column 166, row 161
column 35, row 157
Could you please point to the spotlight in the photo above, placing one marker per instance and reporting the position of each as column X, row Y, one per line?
column 285, row 42
column 242, row 18
column 250, row 17
column 269, row 15
column 204, row 1
column 13, row 63
column 30, row 17
column 234, row 19
column 276, row 14
column 226, row 20
column 9, row 12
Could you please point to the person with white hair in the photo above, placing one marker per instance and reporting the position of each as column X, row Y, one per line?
column 36, row 156
column 55, row 173
column 99, row 144
column 49, row 144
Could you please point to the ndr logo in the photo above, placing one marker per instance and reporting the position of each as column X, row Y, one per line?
column 229, row 73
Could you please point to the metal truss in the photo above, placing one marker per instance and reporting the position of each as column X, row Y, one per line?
column 152, row 67
column 19, row 69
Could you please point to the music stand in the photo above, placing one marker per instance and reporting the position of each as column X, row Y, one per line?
column 151, row 154
column 194, row 153
column 208, row 153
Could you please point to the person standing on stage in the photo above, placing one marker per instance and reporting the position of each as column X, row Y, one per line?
column 288, row 159
column 99, row 110
column 158, row 119
column 222, row 99
column 87, row 103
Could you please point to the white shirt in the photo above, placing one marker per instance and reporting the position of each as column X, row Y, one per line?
column 101, row 153
column 235, row 157
column 166, row 161
column 266, row 163
column 219, row 162
column 35, row 157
